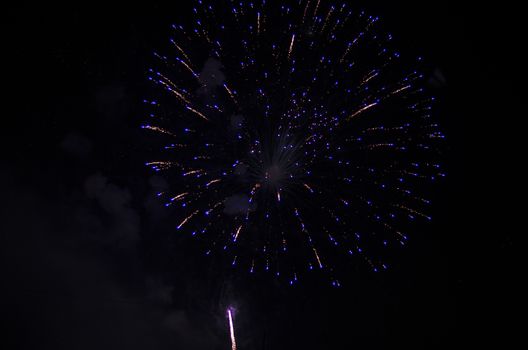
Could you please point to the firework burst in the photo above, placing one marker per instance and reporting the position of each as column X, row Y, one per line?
column 294, row 135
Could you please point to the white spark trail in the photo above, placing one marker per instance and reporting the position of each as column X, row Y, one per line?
column 231, row 330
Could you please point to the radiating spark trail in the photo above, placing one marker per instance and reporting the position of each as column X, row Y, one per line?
column 317, row 257
column 231, row 330
column 316, row 7
column 175, row 92
column 187, row 219
column 189, row 68
column 175, row 146
column 230, row 93
column 413, row 211
column 178, row 197
column 342, row 59
column 370, row 76
column 181, row 51
column 400, row 89
column 305, row 9
column 237, row 233
column 291, row 46
column 197, row 113
column 157, row 129
column 212, row 182
column 161, row 165
column 327, row 17
column 192, row 172
column 362, row 110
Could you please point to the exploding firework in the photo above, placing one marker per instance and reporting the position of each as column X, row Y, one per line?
column 294, row 136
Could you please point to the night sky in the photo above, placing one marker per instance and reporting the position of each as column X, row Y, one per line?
column 89, row 258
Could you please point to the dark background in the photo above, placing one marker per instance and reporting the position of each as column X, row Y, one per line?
column 85, row 258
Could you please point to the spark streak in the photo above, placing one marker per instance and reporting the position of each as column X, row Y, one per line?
column 316, row 7
column 230, row 93
column 291, row 46
column 180, row 196
column 361, row 110
column 317, row 257
column 212, row 182
column 400, row 89
column 231, row 330
column 189, row 68
column 187, row 219
column 158, row 129
column 237, row 233
column 161, row 165
column 197, row 113
column 181, row 51
column 192, row 172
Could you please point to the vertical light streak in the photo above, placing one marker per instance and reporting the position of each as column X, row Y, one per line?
column 327, row 18
column 231, row 330
column 317, row 257
column 305, row 9
column 237, row 233
column 291, row 46
column 316, row 7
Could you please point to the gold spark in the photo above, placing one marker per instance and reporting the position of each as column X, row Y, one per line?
column 189, row 68
column 193, row 172
column 327, row 17
column 197, row 113
column 237, row 232
column 362, row 110
column 180, row 196
column 181, row 50
column 230, row 93
column 316, row 7
column 413, row 211
column 291, row 45
column 400, row 89
column 212, row 182
column 158, row 129
column 317, row 257
column 187, row 219
column 305, row 9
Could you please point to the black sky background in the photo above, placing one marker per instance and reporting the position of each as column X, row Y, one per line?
column 86, row 261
